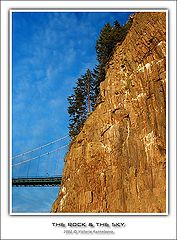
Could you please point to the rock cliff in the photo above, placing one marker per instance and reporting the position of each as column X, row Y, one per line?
column 118, row 161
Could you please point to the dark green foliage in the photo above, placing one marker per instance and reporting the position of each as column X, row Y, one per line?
column 108, row 39
column 103, row 44
column 76, row 109
column 87, row 91
column 81, row 103
column 88, row 81
column 98, row 75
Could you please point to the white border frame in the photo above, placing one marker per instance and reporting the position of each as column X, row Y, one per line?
column 40, row 227
column 10, row 113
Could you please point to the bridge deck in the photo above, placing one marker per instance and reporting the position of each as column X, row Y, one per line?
column 34, row 182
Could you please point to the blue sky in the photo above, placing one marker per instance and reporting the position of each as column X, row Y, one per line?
column 50, row 50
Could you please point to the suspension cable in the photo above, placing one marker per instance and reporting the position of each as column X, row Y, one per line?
column 30, row 159
column 45, row 145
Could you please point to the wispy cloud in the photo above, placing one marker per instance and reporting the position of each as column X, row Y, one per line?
column 31, row 197
column 50, row 51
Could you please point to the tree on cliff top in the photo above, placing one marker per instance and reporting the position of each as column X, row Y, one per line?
column 86, row 93
column 109, row 37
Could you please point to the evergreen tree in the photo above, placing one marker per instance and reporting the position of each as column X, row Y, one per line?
column 76, row 109
column 116, row 33
column 80, row 103
column 126, row 28
column 109, row 37
column 103, row 44
column 72, row 115
column 88, row 83
column 87, row 91
column 98, row 76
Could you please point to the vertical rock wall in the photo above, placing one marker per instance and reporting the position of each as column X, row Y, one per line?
column 118, row 162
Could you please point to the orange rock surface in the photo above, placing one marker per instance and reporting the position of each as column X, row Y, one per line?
column 117, row 164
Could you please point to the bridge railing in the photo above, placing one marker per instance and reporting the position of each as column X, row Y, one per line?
column 35, row 182
column 46, row 161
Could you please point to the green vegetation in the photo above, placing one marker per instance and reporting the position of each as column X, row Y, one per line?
column 86, row 93
column 81, row 102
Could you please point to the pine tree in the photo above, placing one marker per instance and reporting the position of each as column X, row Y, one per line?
column 116, row 34
column 80, row 103
column 109, row 37
column 98, row 76
column 103, row 44
column 76, row 109
column 88, row 82
column 72, row 115
column 126, row 28
column 87, row 91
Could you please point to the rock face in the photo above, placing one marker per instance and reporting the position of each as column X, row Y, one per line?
column 118, row 161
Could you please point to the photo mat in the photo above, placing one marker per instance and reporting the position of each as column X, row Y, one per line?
column 88, row 196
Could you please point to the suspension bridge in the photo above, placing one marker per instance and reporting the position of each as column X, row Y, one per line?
column 40, row 166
